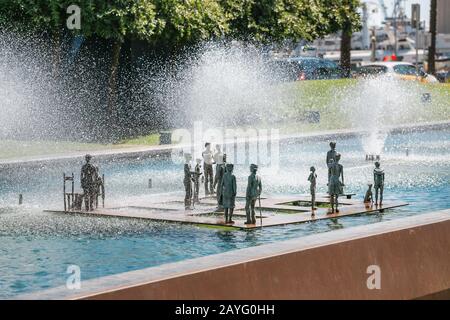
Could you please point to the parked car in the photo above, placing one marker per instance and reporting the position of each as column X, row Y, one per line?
column 443, row 76
column 399, row 70
column 309, row 68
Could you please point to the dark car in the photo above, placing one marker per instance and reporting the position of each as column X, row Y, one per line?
column 309, row 68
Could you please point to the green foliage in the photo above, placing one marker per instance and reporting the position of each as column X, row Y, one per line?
column 175, row 22
column 180, row 22
column 341, row 15
column 120, row 19
column 277, row 20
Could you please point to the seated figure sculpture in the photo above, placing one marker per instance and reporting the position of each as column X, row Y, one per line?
column 228, row 191
column 368, row 198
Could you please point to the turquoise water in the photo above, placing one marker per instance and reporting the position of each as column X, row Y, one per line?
column 37, row 247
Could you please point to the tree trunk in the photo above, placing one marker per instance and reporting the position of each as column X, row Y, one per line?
column 432, row 48
column 112, row 86
column 346, row 45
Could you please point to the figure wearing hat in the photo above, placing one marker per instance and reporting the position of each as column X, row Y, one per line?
column 254, row 188
column 187, row 181
column 378, row 178
column 228, row 191
column 88, row 182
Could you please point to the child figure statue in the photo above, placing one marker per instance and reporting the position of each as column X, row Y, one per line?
column 378, row 178
column 187, row 181
column 196, row 175
column 313, row 182
column 335, row 185
column 254, row 188
column 220, row 173
column 368, row 198
column 229, row 193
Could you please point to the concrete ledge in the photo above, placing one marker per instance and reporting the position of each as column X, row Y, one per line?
column 413, row 254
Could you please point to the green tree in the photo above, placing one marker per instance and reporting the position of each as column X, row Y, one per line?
column 117, row 20
column 342, row 15
column 38, row 15
column 273, row 20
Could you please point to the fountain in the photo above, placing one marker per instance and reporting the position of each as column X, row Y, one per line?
column 230, row 82
column 374, row 105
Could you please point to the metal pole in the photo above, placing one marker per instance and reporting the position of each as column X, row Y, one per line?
column 64, row 192
column 417, row 49
column 73, row 190
column 103, row 191
column 395, row 29
column 260, row 210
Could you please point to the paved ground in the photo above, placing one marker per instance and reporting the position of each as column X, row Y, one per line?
column 274, row 211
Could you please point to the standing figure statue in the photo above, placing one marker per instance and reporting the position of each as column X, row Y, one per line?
column 196, row 177
column 229, row 190
column 331, row 154
column 313, row 183
column 218, row 159
column 88, row 182
column 378, row 179
column 335, row 185
column 221, row 172
column 187, row 181
column 207, row 155
column 99, row 188
column 254, row 189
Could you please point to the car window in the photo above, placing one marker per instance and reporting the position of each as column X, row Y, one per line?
column 329, row 64
column 371, row 70
column 405, row 69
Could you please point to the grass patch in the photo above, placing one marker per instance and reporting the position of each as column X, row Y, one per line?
column 18, row 149
column 148, row 140
column 323, row 96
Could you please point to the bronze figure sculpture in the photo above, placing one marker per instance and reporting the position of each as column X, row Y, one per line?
column 312, row 188
column 228, row 191
column 378, row 178
column 254, row 189
column 88, row 182
column 336, row 171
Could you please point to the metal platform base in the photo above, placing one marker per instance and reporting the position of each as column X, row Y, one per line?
column 274, row 211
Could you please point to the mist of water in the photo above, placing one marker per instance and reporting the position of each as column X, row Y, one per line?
column 375, row 104
column 224, row 84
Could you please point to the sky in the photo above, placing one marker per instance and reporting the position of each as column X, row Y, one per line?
column 376, row 18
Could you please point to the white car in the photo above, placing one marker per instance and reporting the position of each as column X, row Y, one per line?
column 399, row 70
